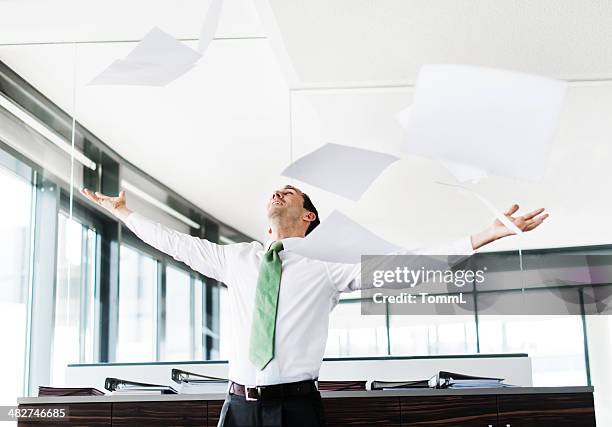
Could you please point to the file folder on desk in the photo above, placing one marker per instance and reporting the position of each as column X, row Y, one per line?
column 192, row 383
column 445, row 379
column 442, row 379
column 119, row 386
column 68, row 391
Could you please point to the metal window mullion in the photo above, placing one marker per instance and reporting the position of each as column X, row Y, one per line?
column 587, row 362
column 388, row 327
column 97, row 301
column 29, row 306
column 83, row 318
column 44, row 285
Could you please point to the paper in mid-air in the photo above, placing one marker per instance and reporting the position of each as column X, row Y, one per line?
column 209, row 27
column 346, row 171
column 499, row 121
column 498, row 214
column 461, row 172
column 340, row 239
column 156, row 61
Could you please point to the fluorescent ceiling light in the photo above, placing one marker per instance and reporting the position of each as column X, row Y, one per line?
column 44, row 131
column 152, row 200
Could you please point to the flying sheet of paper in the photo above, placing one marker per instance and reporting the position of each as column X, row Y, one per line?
column 343, row 170
column 500, row 121
column 461, row 172
column 499, row 215
column 156, row 61
column 340, row 239
column 209, row 27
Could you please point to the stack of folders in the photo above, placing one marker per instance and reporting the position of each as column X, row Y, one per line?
column 446, row 379
column 391, row 385
column 119, row 386
column 442, row 379
column 192, row 383
column 68, row 391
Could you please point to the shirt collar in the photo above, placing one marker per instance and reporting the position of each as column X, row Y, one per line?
column 288, row 243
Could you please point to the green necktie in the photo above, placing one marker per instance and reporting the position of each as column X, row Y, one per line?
column 261, row 346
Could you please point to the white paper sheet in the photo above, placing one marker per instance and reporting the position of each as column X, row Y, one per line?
column 340, row 239
column 403, row 117
column 498, row 214
column 209, row 26
column 500, row 121
column 343, row 170
column 462, row 172
column 156, row 61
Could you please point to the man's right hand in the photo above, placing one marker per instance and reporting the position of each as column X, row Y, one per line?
column 115, row 205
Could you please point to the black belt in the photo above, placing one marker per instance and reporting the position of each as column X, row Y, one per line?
column 275, row 391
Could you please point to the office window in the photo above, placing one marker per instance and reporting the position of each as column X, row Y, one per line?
column 428, row 335
column 554, row 343
column 178, row 342
column 137, row 330
column 15, row 231
column 351, row 334
column 199, row 342
column 75, row 297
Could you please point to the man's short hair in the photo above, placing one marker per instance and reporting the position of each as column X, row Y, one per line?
column 310, row 207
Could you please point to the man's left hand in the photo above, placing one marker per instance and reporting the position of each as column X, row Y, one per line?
column 497, row 230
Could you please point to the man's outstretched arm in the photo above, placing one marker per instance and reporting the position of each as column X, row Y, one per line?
column 201, row 255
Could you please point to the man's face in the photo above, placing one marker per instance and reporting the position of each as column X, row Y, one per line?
column 287, row 201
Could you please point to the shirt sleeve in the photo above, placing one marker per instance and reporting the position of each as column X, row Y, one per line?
column 200, row 254
column 347, row 277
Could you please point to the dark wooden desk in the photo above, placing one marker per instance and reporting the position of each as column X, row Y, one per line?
column 507, row 407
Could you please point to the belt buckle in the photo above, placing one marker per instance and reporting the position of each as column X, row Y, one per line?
column 247, row 393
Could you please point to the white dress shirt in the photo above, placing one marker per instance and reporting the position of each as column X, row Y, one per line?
column 309, row 290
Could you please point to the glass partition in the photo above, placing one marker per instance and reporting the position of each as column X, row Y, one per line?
column 16, row 231
column 138, row 299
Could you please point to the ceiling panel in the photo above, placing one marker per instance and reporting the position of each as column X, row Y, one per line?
column 369, row 42
column 37, row 21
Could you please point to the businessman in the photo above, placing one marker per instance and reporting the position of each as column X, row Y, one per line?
column 279, row 302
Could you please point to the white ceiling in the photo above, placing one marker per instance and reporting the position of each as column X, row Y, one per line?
column 357, row 41
column 220, row 134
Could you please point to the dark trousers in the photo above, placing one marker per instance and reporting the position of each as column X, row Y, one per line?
column 295, row 411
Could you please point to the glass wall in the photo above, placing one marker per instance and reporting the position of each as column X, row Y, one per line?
column 555, row 345
column 76, row 311
column 199, row 317
column 426, row 335
column 15, row 256
column 351, row 334
column 137, row 319
column 225, row 319
column 178, row 343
